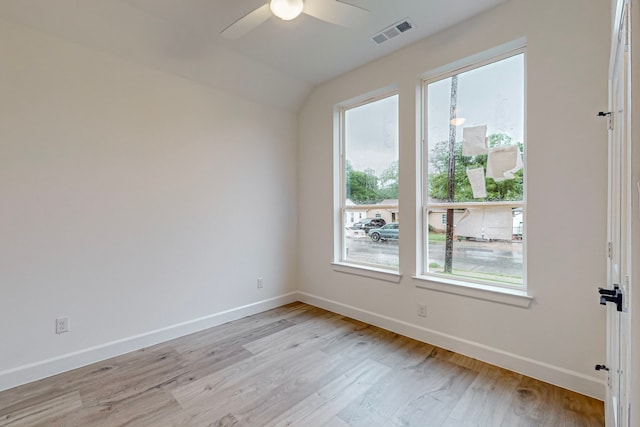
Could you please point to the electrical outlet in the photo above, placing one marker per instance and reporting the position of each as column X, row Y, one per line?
column 422, row 310
column 62, row 325
column 259, row 282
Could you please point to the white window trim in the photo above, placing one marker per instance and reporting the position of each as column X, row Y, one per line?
column 492, row 291
column 339, row 262
column 518, row 298
column 370, row 271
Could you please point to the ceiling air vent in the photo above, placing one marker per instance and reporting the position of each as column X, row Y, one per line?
column 393, row 31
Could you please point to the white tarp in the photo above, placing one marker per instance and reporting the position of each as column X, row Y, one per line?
column 503, row 162
column 478, row 183
column 474, row 140
column 490, row 223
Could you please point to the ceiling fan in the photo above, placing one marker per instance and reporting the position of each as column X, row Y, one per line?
column 332, row 11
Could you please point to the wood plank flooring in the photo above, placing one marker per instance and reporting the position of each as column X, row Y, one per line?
column 296, row 365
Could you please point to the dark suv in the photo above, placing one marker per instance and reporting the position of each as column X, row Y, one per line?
column 367, row 224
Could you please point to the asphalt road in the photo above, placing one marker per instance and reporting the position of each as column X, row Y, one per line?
column 481, row 257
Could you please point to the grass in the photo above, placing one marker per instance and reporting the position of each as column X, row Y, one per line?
column 437, row 237
column 492, row 277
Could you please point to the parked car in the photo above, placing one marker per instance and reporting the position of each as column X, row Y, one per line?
column 367, row 224
column 387, row 232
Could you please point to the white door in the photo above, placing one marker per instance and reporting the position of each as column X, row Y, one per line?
column 619, row 233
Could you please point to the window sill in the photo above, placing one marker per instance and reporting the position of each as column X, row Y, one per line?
column 475, row 290
column 366, row 271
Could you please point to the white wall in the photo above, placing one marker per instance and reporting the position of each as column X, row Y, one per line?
column 561, row 336
column 131, row 201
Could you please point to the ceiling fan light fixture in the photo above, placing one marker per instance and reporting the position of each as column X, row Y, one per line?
column 457, row 121
column 286, row 9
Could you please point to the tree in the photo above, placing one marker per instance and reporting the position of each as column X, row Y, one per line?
column 362, row 186
column 508, row 190
column 389, row 182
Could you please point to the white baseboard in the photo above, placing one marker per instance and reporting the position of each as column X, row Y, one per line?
column 27, row 373
column 561, row 377
column 555, row 375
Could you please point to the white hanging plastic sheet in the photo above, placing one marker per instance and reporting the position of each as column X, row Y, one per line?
column 474, row 140
column 503, row 162
column 478, row 184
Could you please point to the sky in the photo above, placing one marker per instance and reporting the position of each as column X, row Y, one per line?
column 491, row 95
column 371, row 134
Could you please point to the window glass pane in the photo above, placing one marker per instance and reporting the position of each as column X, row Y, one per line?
column 371, row 183
column 475, row 173
column 486, row 104
column 479, row 251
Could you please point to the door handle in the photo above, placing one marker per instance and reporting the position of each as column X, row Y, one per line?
column 611, row 295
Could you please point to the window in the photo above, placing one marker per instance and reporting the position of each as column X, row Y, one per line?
column 473, row 173
column 369, row 183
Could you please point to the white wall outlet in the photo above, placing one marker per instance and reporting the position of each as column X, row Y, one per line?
column 62, row 325
column 259, row 282
column 422, row 310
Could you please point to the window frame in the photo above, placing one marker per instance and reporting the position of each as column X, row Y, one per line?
column 441, row 281
column 339, row 261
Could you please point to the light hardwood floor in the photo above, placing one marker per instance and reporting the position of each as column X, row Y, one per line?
column 296, row 365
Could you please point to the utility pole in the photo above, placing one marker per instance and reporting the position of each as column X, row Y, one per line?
column 448, row 252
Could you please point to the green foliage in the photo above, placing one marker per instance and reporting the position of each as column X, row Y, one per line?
column 389, row 182
column 437, row 237
column 363, row 187
column 507, row 190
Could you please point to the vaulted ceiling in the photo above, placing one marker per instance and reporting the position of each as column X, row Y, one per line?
column 277, row 63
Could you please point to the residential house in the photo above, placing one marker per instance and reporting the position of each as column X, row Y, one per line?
column 481, row 223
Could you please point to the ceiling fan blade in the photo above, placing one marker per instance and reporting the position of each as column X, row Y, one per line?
column 247, row 23
column 336, row 12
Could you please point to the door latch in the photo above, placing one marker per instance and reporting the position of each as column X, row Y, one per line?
column 611, row 295
column 609, row 117
column 601, row 368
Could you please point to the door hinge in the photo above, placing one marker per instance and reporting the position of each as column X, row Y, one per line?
column 609, row 250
